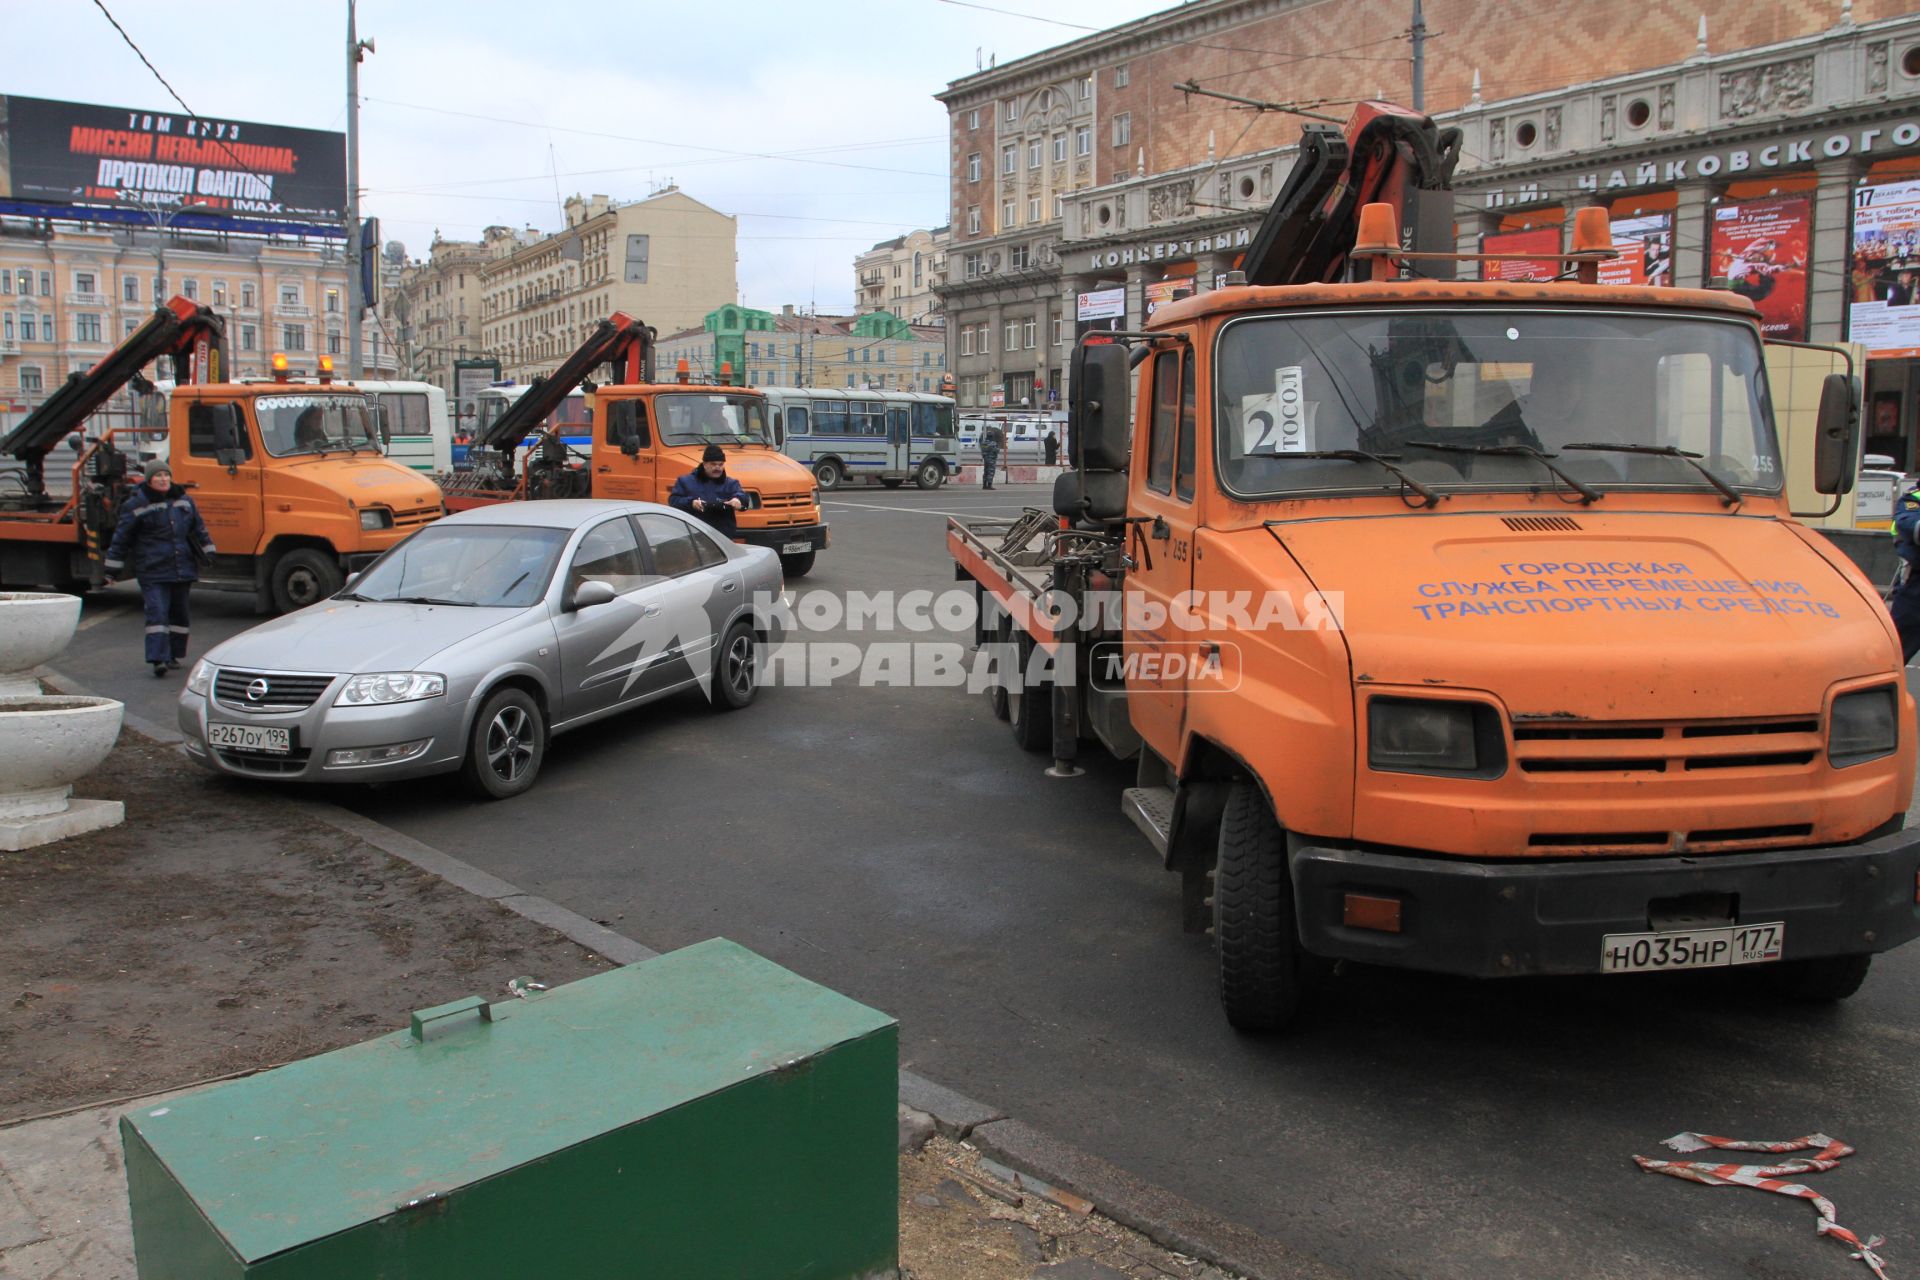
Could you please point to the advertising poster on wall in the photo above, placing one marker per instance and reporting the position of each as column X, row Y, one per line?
column 1645, row 246
column 1883, row 312
column 1161, row 292
column 1103, row 309
column 75, row 153
column 1759, row 250
column 1537, row 240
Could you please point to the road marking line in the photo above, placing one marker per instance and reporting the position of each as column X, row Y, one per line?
column 105, row 615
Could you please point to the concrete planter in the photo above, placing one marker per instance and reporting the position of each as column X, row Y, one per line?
column 46, row 742
column 34, row 625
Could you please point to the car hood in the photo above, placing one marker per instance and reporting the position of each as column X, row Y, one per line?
column 358, row 636
column 1633, row 616
column 368, row 480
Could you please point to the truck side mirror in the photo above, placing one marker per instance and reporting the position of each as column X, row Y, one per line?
column 1101, row 422
column 1834, row 445
column 385, row 427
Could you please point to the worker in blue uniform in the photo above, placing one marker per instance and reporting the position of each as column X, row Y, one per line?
column 1904, row 602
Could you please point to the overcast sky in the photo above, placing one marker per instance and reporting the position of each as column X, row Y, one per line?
column 470, row 107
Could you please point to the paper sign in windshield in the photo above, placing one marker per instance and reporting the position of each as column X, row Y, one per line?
column 1281, row 422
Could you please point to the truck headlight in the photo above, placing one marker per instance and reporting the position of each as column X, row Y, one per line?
column 200, row 679
column 1865, row 726
column 376, row 518
column 1413, row 735
column 390, row 686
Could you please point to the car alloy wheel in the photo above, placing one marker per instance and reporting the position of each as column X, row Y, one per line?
column 509, row 744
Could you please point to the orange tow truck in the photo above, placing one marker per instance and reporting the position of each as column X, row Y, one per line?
column 646, row 435
column 1461, row 626
column 289, row 476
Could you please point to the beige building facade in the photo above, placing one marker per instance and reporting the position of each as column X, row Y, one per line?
column 434, row 313
column 667, row 260
column 71, row 292
column 900, row 275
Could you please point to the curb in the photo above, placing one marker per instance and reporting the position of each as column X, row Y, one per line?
column 1037, row 1161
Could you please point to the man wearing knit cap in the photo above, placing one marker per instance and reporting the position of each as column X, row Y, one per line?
column 709, row 492
column 162, row 535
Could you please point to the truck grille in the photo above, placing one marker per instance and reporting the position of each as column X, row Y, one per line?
column 786, row 508
column 263, row 692
column 1674, row 748
column 415, row 518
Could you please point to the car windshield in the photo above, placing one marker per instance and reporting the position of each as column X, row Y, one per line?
column 711, row 418
column 491, row 566
column 316, row 424
column 1460, row 400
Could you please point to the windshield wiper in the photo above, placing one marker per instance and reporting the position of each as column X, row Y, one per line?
column 1729, row 496
column 1586, row 491
column 355, row 595
column 1386, row 460
column 423, row 600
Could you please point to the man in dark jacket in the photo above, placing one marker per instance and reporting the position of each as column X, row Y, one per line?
column 162, row 535
column 992, row 440
column 1903, row 602
column 709, row 492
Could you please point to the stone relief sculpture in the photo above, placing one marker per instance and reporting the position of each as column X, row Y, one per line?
column 1777, row 86
column 1551, row 131
column 1170, row 201
column 1877, row 67
column 1609, row 117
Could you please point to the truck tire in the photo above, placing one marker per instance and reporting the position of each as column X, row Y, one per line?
column 506, row 746
column 931, row 475
column 735, row 668
column 828, row 474
column 1253, row 925
column 799, row 564
column 1826, row 980
column 302, row 577
column 1030, row 710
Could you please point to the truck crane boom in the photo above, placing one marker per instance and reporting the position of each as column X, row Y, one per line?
column 619, row 341
column 193, row 335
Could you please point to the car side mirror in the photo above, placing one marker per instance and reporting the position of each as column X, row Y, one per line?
column 76, row 442
column 589, row 594
column 386, row 430
column 351, row 579
column 1834, row 444
column 630, row 445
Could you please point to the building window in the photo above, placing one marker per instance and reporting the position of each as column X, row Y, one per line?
column 1059, row 330
column 973, row 119
column 973, row 167
column 984, row 342
column 289, row 295
column 1013, row 111
column 219, row 293
column 83, row 282
column 129, row 327
column 1059, row 148
column 333, row 343
column 1009, row 158
column 26, row 283
column 1026, row 333
column 1034, row 152
column 1059, row 206
column 1123, row 129
column 86, row 328
column 333, row 301
column 1020, row 257
column 46, row 284
column 973, row 223
column 1086, row 88
column 130, row 288
column 966, row 337
column 1006, row 214
column 1010, row 336
column 1033, row 209
column 1122, row 75
column 1083, row 140
column 6, row 326
column 6, row 283
column 30, row 378
column 293, row 337
column 246, row 296
column 190, row 289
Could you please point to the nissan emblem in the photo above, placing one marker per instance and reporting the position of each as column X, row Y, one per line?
column 256, row 691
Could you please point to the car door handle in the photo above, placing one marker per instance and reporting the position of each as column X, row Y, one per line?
column 650, row 611
column 729, row 585
column 603, row 470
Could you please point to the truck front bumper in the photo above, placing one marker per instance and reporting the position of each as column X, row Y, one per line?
column 1499, row 919
column 791, row 537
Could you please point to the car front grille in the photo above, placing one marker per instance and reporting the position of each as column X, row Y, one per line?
column 263, row 763
column 1672, row 748
column 266, row 692
column 415, row 518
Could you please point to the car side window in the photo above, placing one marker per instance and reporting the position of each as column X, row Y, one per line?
column 626, row 417
column 672, row 541
column 200, row 417
column 610, row 554
column 797, row 420
column 707, row 547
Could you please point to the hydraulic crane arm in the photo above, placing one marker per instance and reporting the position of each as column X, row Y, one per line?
column 619, row 341
column 1385, row 154
column 194, row 336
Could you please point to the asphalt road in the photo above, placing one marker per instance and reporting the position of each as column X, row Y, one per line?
column 894, row 844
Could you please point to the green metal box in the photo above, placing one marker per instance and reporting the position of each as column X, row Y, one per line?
column 705, row 1114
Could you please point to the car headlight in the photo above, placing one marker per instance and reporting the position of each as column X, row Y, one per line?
column 1865, row 726
column 200, row 679
column 376, row 518
column 1411, row 735
column 390, row 686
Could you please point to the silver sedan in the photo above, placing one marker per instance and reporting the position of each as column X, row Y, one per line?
column 469, row 645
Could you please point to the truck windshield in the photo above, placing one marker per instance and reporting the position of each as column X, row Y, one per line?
column 1398, row 383
column 316, row 424
column 483, row 566
column 706, row 418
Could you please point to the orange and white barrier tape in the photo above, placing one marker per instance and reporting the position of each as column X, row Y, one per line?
column 1828, row 1152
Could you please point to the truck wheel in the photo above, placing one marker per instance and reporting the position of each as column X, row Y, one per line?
column 735, row 674
column 827, row 474
column 1029, row 699
column 506, row 746
column 1822, row 981
column 799, row 564
column 303, row 577
column 1253, row 925
column 931, row 475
